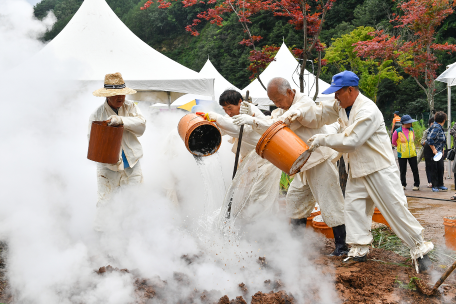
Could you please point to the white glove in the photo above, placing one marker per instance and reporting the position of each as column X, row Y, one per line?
column 315, row 141
column 243, row 119
column 291, row 116
column 246, row 108
column 114, row 120
column 211, row 116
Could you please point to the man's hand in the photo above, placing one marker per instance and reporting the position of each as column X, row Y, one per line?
column 246, row 108
column 114, row 121
column 243, row 119
column 291, row 116
column 211, row 116
column 315, row 141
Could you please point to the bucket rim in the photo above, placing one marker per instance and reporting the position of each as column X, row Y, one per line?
column 193, row 127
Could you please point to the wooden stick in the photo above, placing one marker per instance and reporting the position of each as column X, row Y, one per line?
column 443, row 277
column 236, row 160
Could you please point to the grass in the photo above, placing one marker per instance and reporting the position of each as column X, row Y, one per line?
column 410, row 285
column 385, row 239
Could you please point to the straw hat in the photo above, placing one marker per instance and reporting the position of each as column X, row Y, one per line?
column 113, row 85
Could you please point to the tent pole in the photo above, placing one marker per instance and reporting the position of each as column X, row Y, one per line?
column 169, row 99
column 449, row 127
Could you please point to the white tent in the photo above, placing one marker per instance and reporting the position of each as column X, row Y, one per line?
column 285, row 66
column 98, row 41
column 220, row 84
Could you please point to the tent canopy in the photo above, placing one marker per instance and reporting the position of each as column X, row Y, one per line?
column 449, row 76
column 220, row 84
column 285, row 66
column 97, row 40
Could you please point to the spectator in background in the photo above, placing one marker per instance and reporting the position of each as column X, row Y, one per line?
column 404, row 140
column 427, row 153
column 436, row 140
column 396, row 122
column 453, row 133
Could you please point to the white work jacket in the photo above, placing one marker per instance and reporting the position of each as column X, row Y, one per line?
column 363, row 136
column 134, row 126
column 250, row 138
column 300, row 100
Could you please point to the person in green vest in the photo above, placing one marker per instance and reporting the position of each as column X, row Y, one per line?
column 404, row 139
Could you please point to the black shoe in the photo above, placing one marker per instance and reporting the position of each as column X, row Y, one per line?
column 339, row 240
column 298, row 222
column 350, row 260
column 424, row 263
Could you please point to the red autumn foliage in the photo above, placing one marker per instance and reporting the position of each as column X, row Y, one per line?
column 312, row 20
column 415, row 51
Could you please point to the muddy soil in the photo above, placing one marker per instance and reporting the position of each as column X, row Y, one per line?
column 385, row 278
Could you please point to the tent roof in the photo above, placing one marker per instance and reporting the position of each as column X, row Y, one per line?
column 449, row 76
column 220, row 84
column 285, row 66
column 99, row 41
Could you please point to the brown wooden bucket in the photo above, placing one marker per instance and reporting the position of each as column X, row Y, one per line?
column 105, row 142
column 283, row 148
column 201, row 137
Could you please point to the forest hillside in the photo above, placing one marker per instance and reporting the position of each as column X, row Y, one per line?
column 164, row 30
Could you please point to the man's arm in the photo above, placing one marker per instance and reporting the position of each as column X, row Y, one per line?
column 135, row 122
column 315, row 116
column 228, row 127
column 365, row 125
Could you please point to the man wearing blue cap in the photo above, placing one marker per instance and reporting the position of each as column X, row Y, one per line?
column 373, row 174
column 404, row 139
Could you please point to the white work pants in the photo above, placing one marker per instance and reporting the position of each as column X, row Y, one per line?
column 382, row 189
column 108, row 180
column 322, row 187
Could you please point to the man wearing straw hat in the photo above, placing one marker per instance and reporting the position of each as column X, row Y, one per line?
column 318, row 179
column 118, row 111
column 373, row 175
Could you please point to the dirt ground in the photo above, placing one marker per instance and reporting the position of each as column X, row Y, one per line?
column 430, row 212
column 384, row 278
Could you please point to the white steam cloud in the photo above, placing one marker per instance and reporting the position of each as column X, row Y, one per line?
column 48, row 200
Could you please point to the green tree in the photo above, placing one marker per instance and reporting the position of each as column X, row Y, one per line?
column 341, row 54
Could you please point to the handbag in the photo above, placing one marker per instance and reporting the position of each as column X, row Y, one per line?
column 451, row 154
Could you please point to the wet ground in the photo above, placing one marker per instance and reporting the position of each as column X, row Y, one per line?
column 430, row 212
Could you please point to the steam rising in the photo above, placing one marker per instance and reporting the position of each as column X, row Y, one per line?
column 49, row 195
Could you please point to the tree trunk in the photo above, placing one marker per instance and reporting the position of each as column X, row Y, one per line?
column 317, row 77
column 304, row 50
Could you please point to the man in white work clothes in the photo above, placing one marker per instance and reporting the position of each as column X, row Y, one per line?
column 318, row 179
column 373, row 174
column 254, row 191
column 118, row 111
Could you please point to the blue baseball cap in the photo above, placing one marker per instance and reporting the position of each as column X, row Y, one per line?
column 343, row 79
column 406, row 119
column 396, row 112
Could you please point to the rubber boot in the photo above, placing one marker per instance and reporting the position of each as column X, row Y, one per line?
column 339, row 240
column 424, row 263
column 298, row 222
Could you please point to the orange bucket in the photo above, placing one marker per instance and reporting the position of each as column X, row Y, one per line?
column 201, row 137
column 312, row 215
column 320, row 226
column 105, row 142
column 283, row 148
column 378, row 217
column 450, row 231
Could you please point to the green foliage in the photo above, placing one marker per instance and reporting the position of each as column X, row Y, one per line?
column 285, row 181
column 418, row 128
column 341, row 54
column 410, row 285
column 164, row 30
